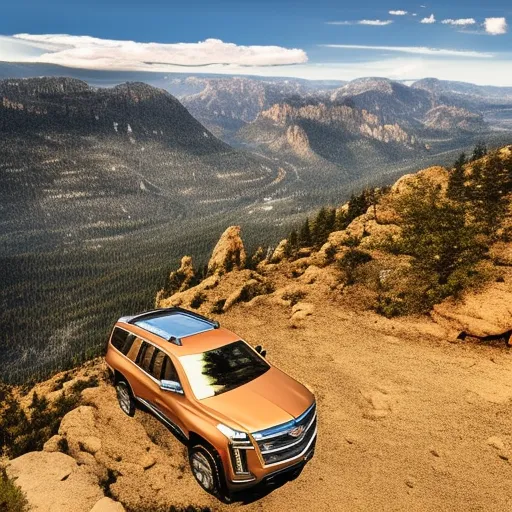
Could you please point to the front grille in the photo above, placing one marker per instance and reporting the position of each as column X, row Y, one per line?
column 277, row 444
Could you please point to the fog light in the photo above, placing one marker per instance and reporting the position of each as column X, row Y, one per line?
column 239, row 458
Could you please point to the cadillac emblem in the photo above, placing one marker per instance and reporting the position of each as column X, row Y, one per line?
column 297, row 431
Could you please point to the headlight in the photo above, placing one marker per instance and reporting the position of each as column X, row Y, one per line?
column 234, row 435
column 239, row 443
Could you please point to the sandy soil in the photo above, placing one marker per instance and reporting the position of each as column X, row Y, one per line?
column 406, row 421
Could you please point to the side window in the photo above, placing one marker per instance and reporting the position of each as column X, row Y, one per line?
column 122, row 340
column 118, row 337
column 145, row 359
column 158, row 365
column 169, row 372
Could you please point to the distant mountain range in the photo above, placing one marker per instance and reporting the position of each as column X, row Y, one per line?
column 77, row 161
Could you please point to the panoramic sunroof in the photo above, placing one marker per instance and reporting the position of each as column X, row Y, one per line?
column 176, row 325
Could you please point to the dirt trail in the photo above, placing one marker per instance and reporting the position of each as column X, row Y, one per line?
column 405, row 420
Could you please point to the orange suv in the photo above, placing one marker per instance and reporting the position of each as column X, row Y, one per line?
column 244, row 421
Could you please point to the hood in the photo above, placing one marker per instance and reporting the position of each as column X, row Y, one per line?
column 271, row 399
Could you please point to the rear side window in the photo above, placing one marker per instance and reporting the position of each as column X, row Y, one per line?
column 122, row 340
column 145, row 359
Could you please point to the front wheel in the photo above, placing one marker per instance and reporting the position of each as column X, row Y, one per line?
column 125, row 398
column 206, row 470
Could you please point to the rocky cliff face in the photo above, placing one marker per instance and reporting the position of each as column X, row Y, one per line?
column 452, row 119
column 323, row 131
column 344, row 118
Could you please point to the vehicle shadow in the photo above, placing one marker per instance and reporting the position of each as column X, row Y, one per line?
column 244, row 497
column 264, row 489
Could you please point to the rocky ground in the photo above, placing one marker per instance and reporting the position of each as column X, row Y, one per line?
column 411, row 415
column 407, row 421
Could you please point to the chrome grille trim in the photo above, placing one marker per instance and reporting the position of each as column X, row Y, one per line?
column 299, row 440
column 284, row 427
column 282, row 447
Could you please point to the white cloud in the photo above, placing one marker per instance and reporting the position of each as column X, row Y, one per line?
column 459, row 22
column 375, row 23
column 419, row 50
column 398, row 13
column 495, row 26
column 429, row 20
column 94, row 53
column 414, row 14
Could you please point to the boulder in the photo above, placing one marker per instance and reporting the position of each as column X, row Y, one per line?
column 107, row 505
column 487, row 312
column 436, row 174
column 52, row 445
column 377, row 235
column 280, row 252
column 250, row 289
column 229, row 253
column 301, row 310
column 54, row 482
column 179, row 280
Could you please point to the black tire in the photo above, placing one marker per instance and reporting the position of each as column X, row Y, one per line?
column 125, row 397
column 206, row 467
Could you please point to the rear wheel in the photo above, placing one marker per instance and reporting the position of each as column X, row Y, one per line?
column 125, row 398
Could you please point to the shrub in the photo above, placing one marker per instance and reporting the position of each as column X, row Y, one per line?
column 12, row 499
column 294, row 297
column 197, row 300
column 352, row 259
column 218, row 306
column 390, row 305
column 21, row 432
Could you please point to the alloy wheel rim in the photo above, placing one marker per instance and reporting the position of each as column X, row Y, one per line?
column 124, row 398
column 202, row 470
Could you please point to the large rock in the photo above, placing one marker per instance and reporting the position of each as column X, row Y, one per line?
column 437, row 175
column 484, row 313
column 229, row 253
column 107, row 505
column 112, row 447
column 54, row 482
column 279, row 253
column 178, row 281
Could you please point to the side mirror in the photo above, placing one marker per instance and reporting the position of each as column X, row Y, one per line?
column 171, row 385
column 260, row 351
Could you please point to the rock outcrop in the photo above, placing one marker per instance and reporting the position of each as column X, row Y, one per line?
column 483, row 313
column 54, row 482
column 229, row 253
column 178, row 280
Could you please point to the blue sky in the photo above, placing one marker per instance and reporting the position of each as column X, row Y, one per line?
column 315, row 39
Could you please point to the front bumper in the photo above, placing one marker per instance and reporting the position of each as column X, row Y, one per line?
column 267, row 475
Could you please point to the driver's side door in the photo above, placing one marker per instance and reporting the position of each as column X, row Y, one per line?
column 156, row 367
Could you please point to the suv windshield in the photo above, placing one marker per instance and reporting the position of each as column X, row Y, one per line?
column 222, row 369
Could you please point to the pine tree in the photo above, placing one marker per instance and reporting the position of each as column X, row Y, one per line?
column 331, row 220
column 479, row 151
column 305, row 239
column 293, row 240
column 341, row 220
column 489, row 186
column 456, row 181
column 319, row 233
